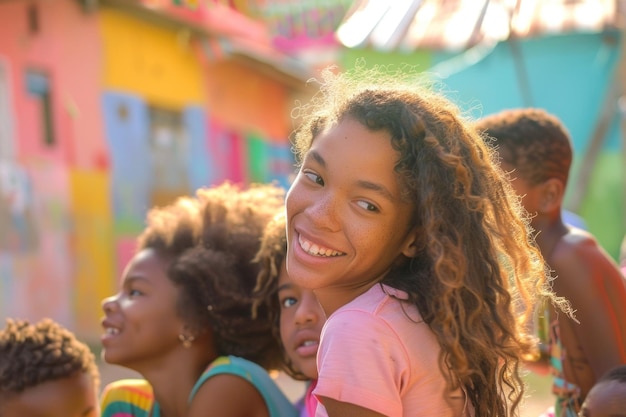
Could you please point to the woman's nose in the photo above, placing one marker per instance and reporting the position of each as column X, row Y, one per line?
column 323, row 212
column 109, row 304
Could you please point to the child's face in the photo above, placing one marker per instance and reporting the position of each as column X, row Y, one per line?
column 141, row 322
column 530, row 194
column 74, row 396
column 301, row 322
column 346, row 221
column 606, row 399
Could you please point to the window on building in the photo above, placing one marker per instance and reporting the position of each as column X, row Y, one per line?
column 168, row 155
column 32, row 17
column 38, row 86
column 7, row 145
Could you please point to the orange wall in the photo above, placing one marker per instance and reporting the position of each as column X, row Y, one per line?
column 247, row 100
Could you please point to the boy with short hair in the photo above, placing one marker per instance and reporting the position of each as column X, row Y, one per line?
column 45, row 370
column 535, row 150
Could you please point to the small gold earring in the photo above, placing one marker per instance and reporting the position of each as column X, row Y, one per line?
column 186, row 340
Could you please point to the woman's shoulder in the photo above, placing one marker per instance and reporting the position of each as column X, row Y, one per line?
column 276, row 401
column 381, row 303
column 235, row 365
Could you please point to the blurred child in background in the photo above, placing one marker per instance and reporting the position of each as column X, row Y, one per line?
column 46, row 371
column 297, row 316
column 607, row 398
column 535, row 149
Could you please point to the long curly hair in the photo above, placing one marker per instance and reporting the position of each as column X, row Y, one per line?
column 31, row 354
column 478, row 274
column 212, row 239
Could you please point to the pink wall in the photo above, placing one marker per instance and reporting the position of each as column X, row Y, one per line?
column 66, row 47
column 63, row 226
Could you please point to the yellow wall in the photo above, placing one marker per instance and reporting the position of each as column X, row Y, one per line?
column 156, row 63
column 93, row 247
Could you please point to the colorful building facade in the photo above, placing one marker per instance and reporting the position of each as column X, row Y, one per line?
column 105, row 112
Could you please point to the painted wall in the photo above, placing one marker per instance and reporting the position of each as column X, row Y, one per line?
column 567, row 75
column 221, row 122
column 140, row 115
column 48, row 49
column 149, row 61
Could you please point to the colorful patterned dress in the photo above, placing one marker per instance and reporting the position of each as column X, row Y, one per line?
column 567, row 393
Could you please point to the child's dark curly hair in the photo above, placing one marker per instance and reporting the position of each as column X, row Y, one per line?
column 529, row 139
column 31, row 354
column 270, row 258
column 212, row 240
column 478, row 273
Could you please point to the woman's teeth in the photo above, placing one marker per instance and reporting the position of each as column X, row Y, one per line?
column 315, row 250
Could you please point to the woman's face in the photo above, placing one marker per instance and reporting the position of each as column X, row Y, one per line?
column 346, row 221
column 301, row 322
column 141, row 321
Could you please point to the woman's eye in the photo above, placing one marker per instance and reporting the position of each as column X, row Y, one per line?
column 367, row 206
column 288, row 302
column 134, row 293
column 314, row 177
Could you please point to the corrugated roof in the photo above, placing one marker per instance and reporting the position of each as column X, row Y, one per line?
column 459, row 24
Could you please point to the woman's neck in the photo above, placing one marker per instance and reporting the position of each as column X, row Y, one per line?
column 173, row 379
column 333, row 298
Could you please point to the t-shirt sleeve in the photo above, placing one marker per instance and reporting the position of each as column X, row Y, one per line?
column 362, row 361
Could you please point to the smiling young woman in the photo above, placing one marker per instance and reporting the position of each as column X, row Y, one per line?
column 402, row 223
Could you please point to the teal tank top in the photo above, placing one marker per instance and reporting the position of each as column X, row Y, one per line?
column 277, row 403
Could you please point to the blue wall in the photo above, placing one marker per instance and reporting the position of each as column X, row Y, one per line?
column 569, row 76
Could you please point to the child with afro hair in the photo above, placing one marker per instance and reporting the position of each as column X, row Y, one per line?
column 182, row 317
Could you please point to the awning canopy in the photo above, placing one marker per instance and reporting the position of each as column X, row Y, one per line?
column 408, row 25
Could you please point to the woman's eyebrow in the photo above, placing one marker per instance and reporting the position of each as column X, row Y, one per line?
column 318, row 158
column 376, row 187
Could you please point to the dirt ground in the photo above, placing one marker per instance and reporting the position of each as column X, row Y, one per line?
column 539, row 397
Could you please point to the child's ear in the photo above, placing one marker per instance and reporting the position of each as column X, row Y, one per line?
column 551, row 195
column 413, row 244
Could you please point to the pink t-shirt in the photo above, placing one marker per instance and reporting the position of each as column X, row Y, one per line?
column 377, row 353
